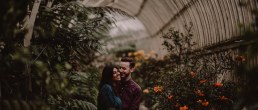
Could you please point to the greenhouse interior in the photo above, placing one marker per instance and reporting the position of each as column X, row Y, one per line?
column 161, row 55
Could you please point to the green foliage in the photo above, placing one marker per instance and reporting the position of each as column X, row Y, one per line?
column 175, row 90
column 70, row 31
column 12, row 12
column 61, row 103
column 22, row 105
column 85, row 85
column 83, row 91
column 55, row 70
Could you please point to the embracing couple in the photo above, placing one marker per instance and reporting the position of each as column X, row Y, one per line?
column 117, row 90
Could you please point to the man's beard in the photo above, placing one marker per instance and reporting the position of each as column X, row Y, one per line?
column 124, row 76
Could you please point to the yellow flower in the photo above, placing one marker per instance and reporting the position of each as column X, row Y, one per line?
column 138, row 64
column 130, row 54
column 137, row 58
column 146, row 58
column 135, row 53
column 141, row 52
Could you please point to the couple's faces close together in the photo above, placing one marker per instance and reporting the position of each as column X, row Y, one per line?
column 123, row 71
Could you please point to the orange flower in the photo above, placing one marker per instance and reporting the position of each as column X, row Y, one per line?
column 158, row 89
column 205, row 103
column 146, row 91
column 184, row 108
column 193, row 74
column 223, row 98
column 203, row 81
column 199, row 92
column 218, row 84
column 170, row 97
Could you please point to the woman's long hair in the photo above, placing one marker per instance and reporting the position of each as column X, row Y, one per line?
column 106, row 78
column 107, row 75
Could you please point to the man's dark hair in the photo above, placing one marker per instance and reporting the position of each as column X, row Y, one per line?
column 130, row 60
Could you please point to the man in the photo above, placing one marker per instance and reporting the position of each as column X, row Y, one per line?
column 130, row 92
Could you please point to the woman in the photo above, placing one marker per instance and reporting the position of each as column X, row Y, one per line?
column 107, row 98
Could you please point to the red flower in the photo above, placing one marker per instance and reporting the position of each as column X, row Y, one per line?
column 218, row 84
column 203, row 81
column 240, row 58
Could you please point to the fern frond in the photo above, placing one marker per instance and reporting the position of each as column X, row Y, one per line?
column 23, row 105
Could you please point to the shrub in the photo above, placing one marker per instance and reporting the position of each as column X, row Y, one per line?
column 185, row 79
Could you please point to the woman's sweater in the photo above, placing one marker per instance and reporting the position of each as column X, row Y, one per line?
column 108, row 99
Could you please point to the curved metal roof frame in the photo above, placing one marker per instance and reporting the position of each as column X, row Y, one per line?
column 213, row 20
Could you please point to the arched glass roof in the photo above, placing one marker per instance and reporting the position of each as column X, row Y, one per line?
column 213, row 21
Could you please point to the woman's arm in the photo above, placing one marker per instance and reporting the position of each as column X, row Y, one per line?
column 108, row 92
